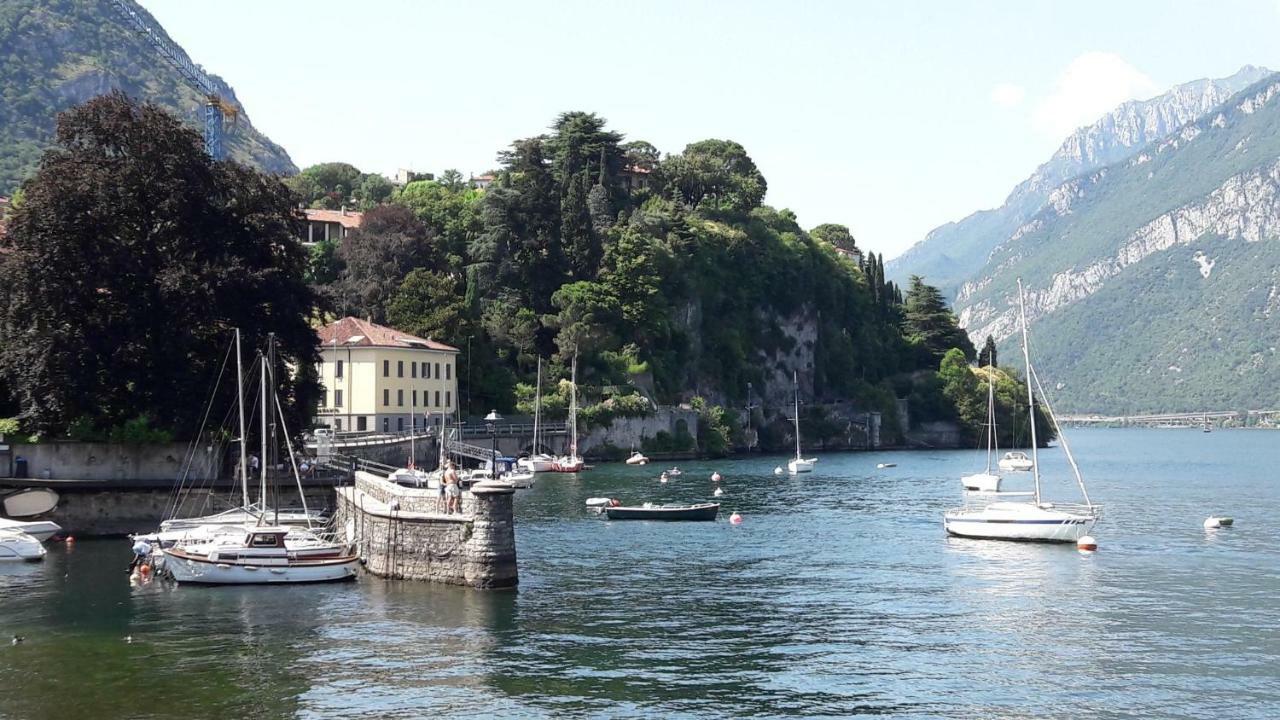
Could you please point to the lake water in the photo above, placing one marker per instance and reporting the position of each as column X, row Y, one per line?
column 839, row 595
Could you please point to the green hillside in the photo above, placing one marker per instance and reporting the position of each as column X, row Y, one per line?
column 58, row 53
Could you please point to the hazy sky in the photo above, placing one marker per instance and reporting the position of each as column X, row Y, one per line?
column 891, row 117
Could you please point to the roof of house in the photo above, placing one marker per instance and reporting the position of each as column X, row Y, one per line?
column 354, row 332
column 346, row 218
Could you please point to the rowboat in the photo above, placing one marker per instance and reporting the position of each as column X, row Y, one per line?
column 701, row 511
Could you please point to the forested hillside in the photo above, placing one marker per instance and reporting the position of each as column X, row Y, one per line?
column 57, row 53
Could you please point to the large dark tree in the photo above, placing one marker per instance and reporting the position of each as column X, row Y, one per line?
column 930, row 325
column 987, row 356
column 376, row 257
column 130, row 259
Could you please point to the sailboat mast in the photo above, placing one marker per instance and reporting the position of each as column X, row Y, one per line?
column 537, row 406
column 573, row 408
column 244, row 448
column 1031, row 400
column 795, row 383
column 262, row 487
column 991, row 416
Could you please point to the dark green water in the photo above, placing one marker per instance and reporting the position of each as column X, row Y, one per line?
column 839, row 595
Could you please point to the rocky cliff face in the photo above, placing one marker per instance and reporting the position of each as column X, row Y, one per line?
column 950, row 254
column 1151, row 283
column 59, row 53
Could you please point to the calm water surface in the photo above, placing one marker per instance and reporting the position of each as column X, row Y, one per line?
column 839, row 595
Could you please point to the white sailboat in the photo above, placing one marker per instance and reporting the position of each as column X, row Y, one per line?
column 537, row 462
column 1035, row 520
column 986, row 482
column 572, row 462
column 259, row 553
column 799, row 464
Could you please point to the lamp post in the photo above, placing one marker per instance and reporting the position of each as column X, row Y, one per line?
column 491, row 423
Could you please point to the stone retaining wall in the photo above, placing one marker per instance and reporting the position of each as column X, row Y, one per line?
column 399, row 533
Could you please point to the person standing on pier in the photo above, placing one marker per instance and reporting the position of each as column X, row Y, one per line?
column 452, row 490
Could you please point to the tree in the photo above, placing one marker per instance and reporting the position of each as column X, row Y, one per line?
column 588, row 314
column 430, row 305
column 715, row 175
column 131, row 258
column 960, row 387
column 376, row 257
column 987, row 357
column 836, row 235
column 641, row 154
column 930, row 325
column 453, row 180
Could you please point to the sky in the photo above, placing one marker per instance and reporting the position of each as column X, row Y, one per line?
column 890, row 117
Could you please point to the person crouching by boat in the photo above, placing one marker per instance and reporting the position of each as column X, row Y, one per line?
column 141, row 552
column 452, row 491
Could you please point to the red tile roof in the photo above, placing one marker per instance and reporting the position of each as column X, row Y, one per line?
column 371, row 334
column 346, row 218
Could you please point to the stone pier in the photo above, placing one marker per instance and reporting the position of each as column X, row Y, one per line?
column 401, row 532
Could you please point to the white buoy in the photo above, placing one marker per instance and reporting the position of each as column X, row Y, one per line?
column 662, row 480
column 735, row 519
column 777, row 470
column 718, row 492
column 715, row 477
column 1086, row 544
column 1212, row 523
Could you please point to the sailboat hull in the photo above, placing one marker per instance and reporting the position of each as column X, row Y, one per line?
column 201, row 570
column 1019, row 521
column 801, row 465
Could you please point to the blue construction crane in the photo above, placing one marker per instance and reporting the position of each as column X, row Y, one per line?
column 216, row 110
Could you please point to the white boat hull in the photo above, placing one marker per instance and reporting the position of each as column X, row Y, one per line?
column 20, row 547
column 537, row 464
column 1020, row 521
column 801, row 465
column 981, row 483
column 39, row 529
column 202, row 570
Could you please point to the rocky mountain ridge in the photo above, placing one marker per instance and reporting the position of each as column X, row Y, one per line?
column 950, row 254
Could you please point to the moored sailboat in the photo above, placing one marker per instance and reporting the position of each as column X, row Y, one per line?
column 572, row 462
column 1036, row 520
column 799, row 464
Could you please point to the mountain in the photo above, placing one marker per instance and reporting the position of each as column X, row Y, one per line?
column 58, row 53
column 948, row 255
column 1154, row 283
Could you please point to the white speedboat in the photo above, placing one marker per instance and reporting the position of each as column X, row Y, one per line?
column 19, row 546
column 1016, row 462
column 539, row 463
column 637, row 458
column 799, row 464
column 39, row 529
column 1034, row 519
column 260, row 555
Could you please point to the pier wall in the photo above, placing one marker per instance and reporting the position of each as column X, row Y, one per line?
column 114, row 461
column 401, row 532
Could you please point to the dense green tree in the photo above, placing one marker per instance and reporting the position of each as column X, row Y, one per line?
column 987, row 356
column 930, row 325
column 430, row 305
column 375, row 259
column 714, row 175
column 453, row 180
column 837, row 235
column 641, row 154
column 588, row 314
column 131, row 257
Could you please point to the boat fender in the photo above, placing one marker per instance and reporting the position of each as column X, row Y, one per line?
column 614, row 502
column 1087, row 544
column 735, row 519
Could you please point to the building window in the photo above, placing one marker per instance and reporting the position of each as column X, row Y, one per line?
column 448, row 398
column 415, row 398
column 386, row 397
column 337, row 398
column 399, row 368
column 337, row 424
column 400, row 424
column 426, row 370
column 386, row 368
column 437, row 398
column 400, row 398
column 361, row 425
column 386, row 424
column 448, row 370
column 413, row 369
column 337, row 370
column 437, row 371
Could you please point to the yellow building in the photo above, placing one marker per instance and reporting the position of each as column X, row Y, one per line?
column 381, row 380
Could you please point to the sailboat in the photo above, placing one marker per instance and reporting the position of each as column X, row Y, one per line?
column 799, row 464
column 571, row 463
column 986, row 482
column 539, row 461
column 264, row 552
column 1035, row 520
column 1207, row 427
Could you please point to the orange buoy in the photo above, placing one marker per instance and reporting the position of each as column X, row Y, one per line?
column 1087, row 544
column 144, row 570
column 735, row 519
column 71, row 539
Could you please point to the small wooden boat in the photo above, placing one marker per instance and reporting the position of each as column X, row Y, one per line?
column 700, row 511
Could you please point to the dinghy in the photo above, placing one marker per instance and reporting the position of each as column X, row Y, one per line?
column 698, row 512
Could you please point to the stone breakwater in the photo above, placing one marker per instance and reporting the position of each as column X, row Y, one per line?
column 400, row 532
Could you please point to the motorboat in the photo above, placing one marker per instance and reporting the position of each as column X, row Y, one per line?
column 19, row 546
column 29, row 502
column 260, row 555
column 1036, row 519
column 637, row 458
column 675, row 472
column 647, row 511
column 539, row 463
column 799, row 464
column 39, row 529
column 1016, row 462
